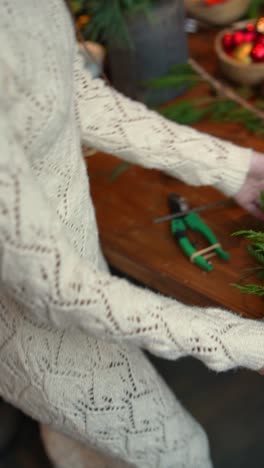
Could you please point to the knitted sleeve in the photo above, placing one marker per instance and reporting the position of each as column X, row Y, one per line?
column 41, row 271
column 115, row 124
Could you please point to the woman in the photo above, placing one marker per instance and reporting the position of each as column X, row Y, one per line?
column 70, row 332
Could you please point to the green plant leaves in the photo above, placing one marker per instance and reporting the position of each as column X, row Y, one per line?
column 108, row 19
column 257, row 237
column 214, row 107
column 120, row 169
column 176, row 81
column 249, row 288
column 256, row 250
column 184, row 113
column 179, row 76
column 254, row 10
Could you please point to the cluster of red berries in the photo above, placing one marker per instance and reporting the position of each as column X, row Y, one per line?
column 213, row 2
column 246, row 45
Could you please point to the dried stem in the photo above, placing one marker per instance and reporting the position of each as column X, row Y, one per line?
column 224, row 89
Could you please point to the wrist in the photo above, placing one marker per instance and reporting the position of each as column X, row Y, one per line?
column 257, row 164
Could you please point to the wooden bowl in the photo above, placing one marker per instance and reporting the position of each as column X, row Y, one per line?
column 221, row 14
column 241, row 73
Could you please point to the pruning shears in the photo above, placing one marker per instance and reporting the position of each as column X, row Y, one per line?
column 191, row 220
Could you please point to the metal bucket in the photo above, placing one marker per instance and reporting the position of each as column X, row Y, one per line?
column 159, row 41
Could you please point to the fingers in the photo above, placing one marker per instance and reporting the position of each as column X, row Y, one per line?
column 257, row 165
column 250, row 203
column 253, row 209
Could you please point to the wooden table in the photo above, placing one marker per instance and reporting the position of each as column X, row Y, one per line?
column 147, row 252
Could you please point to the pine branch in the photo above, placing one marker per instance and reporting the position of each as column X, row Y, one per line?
column 226, row 106
column 109, row 19
column 225, row 90
column 253, row 236
column 256, row 250
column 254, row 289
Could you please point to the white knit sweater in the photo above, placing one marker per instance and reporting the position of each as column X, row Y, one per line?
column 56, row 291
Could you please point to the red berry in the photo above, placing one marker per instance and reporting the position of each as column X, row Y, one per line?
column 250, row 27
column 257, row 53
column 227, row 42
column 250, row 36
column 238, row 37
column 213, row 2
column 260, row 39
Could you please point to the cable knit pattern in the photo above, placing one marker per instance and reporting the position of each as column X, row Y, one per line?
column 70, row 331
column 127, row 129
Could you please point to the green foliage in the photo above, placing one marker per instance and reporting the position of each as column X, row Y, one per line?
column 76, row 5
column 108, row 18
column 249, row 288
column 256, row 237
column 184, row 113
column 255, row 8
column 219, row 109
column 177, row 77
column 119, row 170
column 256, row 250
column 215, row 107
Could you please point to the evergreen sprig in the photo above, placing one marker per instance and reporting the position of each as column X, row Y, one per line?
column 253, row 289
column 108, row 19
column 215, row 107
column 256, row 250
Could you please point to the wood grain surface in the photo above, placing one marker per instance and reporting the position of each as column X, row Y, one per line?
column 145, row 251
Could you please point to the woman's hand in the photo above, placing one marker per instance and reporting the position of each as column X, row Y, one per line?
column 249, row 195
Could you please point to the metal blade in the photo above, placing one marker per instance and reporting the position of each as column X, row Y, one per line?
column 194, row 210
